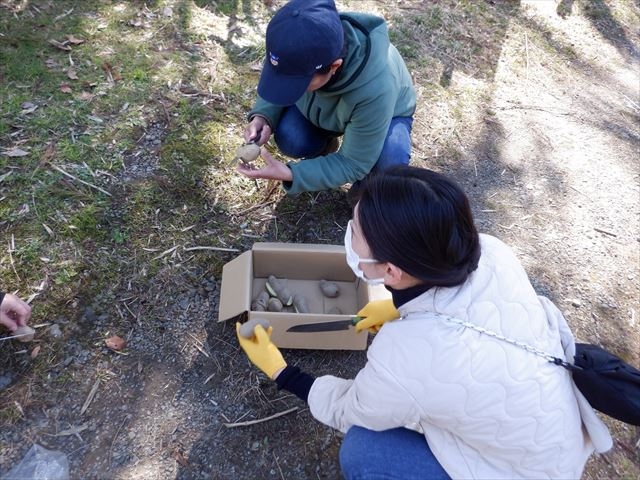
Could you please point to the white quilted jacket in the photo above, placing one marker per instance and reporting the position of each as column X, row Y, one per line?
column 488, row 409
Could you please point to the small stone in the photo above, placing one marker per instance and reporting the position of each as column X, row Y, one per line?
column 54, row 331
column 6, row 379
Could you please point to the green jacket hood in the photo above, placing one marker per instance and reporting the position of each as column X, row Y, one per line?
column 367, row 40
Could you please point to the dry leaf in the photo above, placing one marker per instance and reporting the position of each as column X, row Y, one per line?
column 51, row 63
column 73, row 40
column 177, row 455
column 65, row 88
column 115, row 343
column 112, row 74
column 48, row 154
column 61, row 46
column 49, row 231
column 71, row 73
column 86, row 96
column 35, row 351
column 16, row 152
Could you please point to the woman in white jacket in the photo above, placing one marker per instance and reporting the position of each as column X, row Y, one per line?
column 437, row 399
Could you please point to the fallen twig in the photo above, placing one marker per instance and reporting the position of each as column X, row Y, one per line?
column 278, row 465
column 526, row 49
column 219, row 249
column 166, row 252
column 12, row 247
column 606, row 232
column 260, row 420
column 72, row 431
column 201, row 350
column 61, row 16
column 81, row 181
column 90, row 397
column 255, row 207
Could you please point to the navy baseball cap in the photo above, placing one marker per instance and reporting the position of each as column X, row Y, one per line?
column 303, row 37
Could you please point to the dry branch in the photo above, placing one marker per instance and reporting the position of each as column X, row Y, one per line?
column 89, row 399
column 219, row 249
column 81, row 181
column 260, row 420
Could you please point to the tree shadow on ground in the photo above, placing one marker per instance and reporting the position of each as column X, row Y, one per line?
column 601, row 17
column 241, row 14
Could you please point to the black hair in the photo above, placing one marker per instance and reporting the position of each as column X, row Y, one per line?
column 420, row 221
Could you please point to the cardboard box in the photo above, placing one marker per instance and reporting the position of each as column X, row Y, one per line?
column 303, row 265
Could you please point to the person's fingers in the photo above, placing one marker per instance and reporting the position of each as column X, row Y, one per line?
column 249, row 170
column 365, row 323
column 17, row 310
column 265, row 134
column 261, row 335
column 8, row 322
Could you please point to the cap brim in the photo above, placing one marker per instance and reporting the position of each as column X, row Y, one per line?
column 281, row 89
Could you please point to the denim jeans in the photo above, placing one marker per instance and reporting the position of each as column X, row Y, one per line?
column 396, row 454
column 297, row 137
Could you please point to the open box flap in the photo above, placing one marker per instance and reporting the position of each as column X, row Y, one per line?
column 301, row 261
column 235, row 292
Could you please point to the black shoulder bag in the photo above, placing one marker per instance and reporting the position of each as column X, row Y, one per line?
column 609, row 384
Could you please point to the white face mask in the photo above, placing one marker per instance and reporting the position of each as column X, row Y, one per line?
column 354, row 260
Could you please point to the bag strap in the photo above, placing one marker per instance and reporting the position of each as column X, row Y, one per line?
column 524, row 346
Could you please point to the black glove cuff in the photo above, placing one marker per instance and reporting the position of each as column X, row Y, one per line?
column 295, row 381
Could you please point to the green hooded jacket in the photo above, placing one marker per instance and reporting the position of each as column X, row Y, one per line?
column 373, row 86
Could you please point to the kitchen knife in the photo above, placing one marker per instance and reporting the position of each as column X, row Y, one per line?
column 324, row 326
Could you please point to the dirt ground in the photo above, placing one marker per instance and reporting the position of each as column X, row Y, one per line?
column 541, row 128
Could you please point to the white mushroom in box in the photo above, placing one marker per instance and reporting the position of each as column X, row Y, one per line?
column 329, row 289
column 277, row 287
column 300, row 303
column 274, row 305
column 260, row 303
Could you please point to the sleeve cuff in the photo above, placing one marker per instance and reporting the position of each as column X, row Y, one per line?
column 295, row 381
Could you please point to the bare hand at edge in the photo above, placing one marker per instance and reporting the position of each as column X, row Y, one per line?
column 14, row 312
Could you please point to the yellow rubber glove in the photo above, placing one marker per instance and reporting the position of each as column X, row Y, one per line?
column 375, row 314
column 262, row 351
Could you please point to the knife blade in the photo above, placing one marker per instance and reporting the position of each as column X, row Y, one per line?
column 322, row 326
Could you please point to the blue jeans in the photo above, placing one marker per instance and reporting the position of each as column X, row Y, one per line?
column 297, row 137
column 396, row 454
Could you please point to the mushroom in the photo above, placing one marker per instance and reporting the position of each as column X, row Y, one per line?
column 300, row 303
column 26, row 333
column 260, row 303
column 329, row 289
column 277, row 287
column 247, row 153
column 274, row 305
